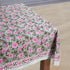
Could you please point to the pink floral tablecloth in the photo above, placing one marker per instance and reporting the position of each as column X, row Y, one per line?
column 26, row 38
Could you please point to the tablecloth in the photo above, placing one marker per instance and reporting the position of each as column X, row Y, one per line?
column 26, row 38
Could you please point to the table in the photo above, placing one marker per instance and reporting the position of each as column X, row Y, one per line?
column 26, row 38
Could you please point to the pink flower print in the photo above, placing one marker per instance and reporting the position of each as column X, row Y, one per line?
column 35, row 39
column 7, row 38
column 21, row 55
column 10, row 64
column 14, row 45
column 4, row 50
column 30, row 23
column 46, row 35
column 47, row 44
column 45, row 23
column 52, row 35
column 20, row 37
column 27, row 59
column 57, row 38
column 0, row 35
column 23, row 16
column 20, row 31
column 39, row 49
column 15, row 33
column 7, row 45
column 39, row 43
column 3, row 17
column 36, row 16
column 28, row 32
column 1, row 13
column 3, row 23
column 1, row 27
column 34, row 58
column 28, row 27
column 8, row 31
column 1, row 61
column 6, row 19
column 21, row 24
column 19, row 63
column 47, row 29
column 30, row 50
column 34, row 50
column 20, row 20
column 43, row 40
column 41, row 54
column 12, row 27
column 28, row 40
column 1, row 68
column 13, row 22
column 9, row 24
column 20, row 48
column 25, row 45
column 35, row 28
column 39, row 32
column 11, row 55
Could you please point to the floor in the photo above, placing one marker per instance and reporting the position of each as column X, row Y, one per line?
column 59, row 16
column 32, row 3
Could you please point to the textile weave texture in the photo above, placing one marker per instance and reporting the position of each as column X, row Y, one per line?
column 25, row 37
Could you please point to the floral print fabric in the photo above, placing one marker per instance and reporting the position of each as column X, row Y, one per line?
column 25, row 36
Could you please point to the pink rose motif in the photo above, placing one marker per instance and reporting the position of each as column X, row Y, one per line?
column 20, row 31
column 7, row 45
column 28, row 27
column 12, row 27
column 16, row 33
column 46, row 28
column 28, row 32
column 4, row 50
column 41, row 54
column 30, row 23
column 19, row 63
column 1, row 61
column 7, row 38
column 39, row 49
column 20, row 37
column 21, row 24
column 20, row 20
column 3, row 23
column 35, row 39
column 8, row 31
column 6, row 19
column 30, row 50
column 0, row 35
column 1, row 13
column 3, row 17
column 27, row 59
column 39, row 32
column 1, row 27
column 28, row 40
column 14, row 45
column 21, row 55
column 20, row 48
column 39, row 43
column 43, row 40
column 10, row 64
column 46, row 35
column 34, row 58
column 25, row 45
column 52, row 35
column 1, row 68
column 11, row 55
column 47, row 44
column 57, row 38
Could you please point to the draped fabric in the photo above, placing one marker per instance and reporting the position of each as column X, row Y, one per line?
column 26, row 38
